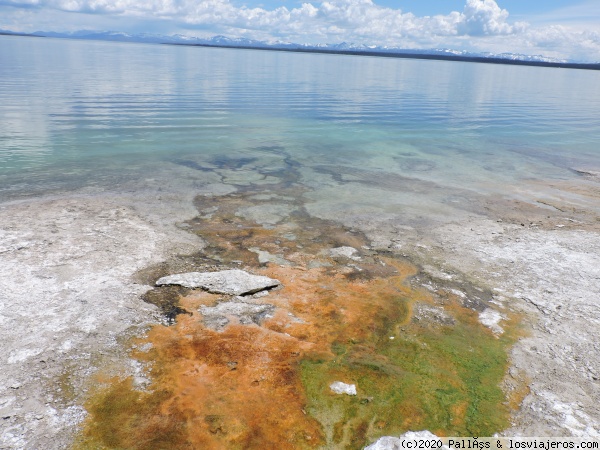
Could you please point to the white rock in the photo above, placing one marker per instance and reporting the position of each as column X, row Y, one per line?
column 395, row 443
column 346, row 252
column 342, row 388
column 216, row 317
column 230, row 282
column 266, row 257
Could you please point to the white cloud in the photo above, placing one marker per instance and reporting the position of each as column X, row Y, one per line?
column 484, row 17
column 482, row 25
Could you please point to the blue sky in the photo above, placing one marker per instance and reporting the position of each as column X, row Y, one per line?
column 524, row 8
column 555, row 28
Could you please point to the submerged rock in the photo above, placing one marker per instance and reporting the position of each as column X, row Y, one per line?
column 266, row 257
column 344, row 252
column 595, row 173
column 230, row 282
column 217, row 317
column 266, row 214
column 342, row 388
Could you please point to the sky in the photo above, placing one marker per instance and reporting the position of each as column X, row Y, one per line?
column 554, row 28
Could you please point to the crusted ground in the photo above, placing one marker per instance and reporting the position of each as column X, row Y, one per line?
column 77, row 269
column 225, row 377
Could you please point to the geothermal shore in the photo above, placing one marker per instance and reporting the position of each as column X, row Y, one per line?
column 70, row 293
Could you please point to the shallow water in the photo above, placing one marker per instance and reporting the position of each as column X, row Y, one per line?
column 94, row 115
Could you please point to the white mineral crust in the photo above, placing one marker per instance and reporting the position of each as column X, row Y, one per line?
column 342, row 388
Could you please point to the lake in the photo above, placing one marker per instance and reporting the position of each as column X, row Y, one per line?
column 80, row 114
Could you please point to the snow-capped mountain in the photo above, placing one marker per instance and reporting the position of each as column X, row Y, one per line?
column 342, row 47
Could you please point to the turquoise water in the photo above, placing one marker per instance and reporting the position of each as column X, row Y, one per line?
column 94, row 115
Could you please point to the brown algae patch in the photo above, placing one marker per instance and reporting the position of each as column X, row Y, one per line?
column 337, row 318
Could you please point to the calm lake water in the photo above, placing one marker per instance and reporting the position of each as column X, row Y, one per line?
column 94, row 115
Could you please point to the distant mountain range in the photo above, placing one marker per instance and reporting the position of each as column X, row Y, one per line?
column 341, row 48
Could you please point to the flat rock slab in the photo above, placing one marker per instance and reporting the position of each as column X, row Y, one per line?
column 217, row 317
column 230, row 282
column 266, row 257
column 344, row 252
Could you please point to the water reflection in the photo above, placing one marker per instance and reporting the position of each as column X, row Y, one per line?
column 71, row 104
